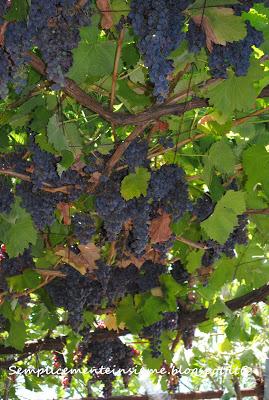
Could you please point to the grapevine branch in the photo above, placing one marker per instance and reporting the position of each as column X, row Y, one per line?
column 186, row 319
column 153, row 113
column 211, row 394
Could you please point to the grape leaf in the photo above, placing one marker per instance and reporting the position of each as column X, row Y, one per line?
column 56, row 134
column 224, row 218
column 83, row 262
column 159, row 230
column 18, row 10
column 136, row 184
column 17, row 230
column 93, row 61
column 235, row 93
column 226, row 26
column 127, row 313
column 256, row 165
column 28, row 280
column 222, row 157
column 194, row 260
column 17, row 334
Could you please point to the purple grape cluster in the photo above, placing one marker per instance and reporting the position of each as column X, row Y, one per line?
column 166, row 142
column 6, row 195
column 109, row 353
column 77, row 292
column 53, row 26
column 136, row 154
column 139, row 211
column 203, row 207
column 110, row 205
column 179, row 273
column 83, row 227
column 3, row 324
column 169, row 190
column 169, row 322
column 40, row 205
column 235, row 54
column 158, row 24
column 196, row 37
column 14, row 161
column 16, row 265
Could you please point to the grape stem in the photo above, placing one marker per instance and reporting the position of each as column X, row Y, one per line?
column 116, row 67
column 46, row 187
column 195, row 245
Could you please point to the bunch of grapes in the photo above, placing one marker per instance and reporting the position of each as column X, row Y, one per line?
column 76, row 292
column 158, row 24
column 153, row 332
column 6, row 195
column 83, row 227
column 196, row 37
column 109, row 353
column 245, row 6
column 41, row 205
column 235, row 54
column 16, row 265
column 53, row 26
column 179, row 273
column 110, row 205
column 136, row 154
column 169, row 190
column 15, row 161
column 3, row 324
column 203, row 207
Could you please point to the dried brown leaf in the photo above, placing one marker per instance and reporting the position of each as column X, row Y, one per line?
column 3, row 28
column 83, row 262
column 64, row 209
column 160, row 230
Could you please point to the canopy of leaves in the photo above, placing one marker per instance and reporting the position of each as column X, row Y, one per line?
column 133, row 225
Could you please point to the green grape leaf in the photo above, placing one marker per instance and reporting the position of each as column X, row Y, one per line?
column 28, row 280
column 194, row 260
column 56, row 134
column 256, row 166
column 17, row 334
column 222, row 157
column 236, row 93
column 92, row 61
column 18, row 10
column 151, row 310
column 224, row 218
column 17, row 230
column 226, row 26
column 217, row 308
column 127, row 313
column 135, row 184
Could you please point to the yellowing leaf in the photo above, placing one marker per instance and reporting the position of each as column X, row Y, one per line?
column 157, row 292
column 111, row 323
